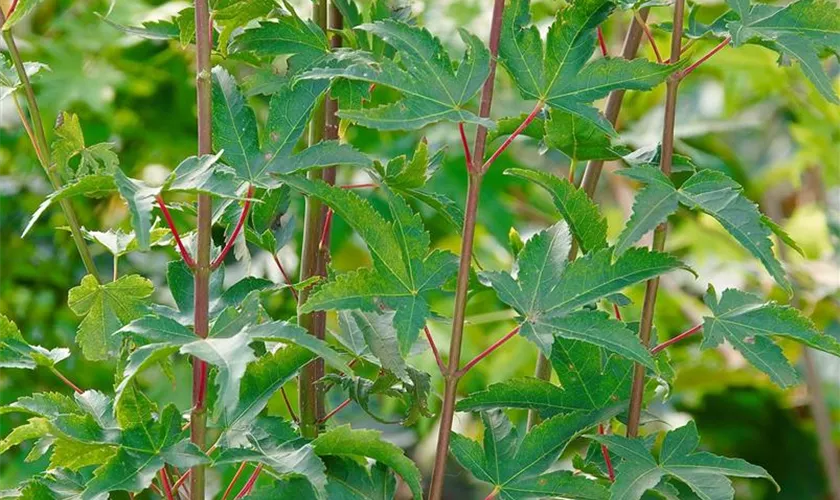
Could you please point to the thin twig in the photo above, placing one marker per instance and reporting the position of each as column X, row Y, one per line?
column 325, row 231
column 691, row 331
column 251, row 481
column 487, row 352
column 285, row 275
column 238, row 473
column 359, row 186
column 435, row 351
column 648, row 35
column 239, row 225
column 533, row 114
column 682, row 74
column 185, row 254
column 336, row 410
column 66, row 380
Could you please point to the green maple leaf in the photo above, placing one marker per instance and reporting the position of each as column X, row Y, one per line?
column 346, row 442
column 518, row 468
column 275, row 443
column 801, row 30
column 70, row 143
column 548, row 292
column 404, row 270
column 581, row 214
column 558, row 73
column 705, row 473
column 106, row 308
column 749, row 324
column 407, row 177
column 432, row 89
column 9, row 79
column 589, row 379
column 142, row 451
column 715, row 194
column 16, row 352
column 236, row 138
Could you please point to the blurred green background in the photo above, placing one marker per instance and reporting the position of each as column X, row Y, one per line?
column 742, row 114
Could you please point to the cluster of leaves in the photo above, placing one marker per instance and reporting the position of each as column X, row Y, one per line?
column 99, row 443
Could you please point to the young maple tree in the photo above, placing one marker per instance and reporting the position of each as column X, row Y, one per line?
column 375, row 67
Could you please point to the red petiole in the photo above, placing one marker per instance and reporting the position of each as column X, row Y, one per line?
column 682, row 74
column 185, row 254
column 602, row 43
column 285, row 276
column 336, row 410
column 164, row 480
column 435, row 351
column 606, row 453
column 649, row 36
column 239, row 225
column 465, row 143
column 687, row 333
column 250, row 484
column 513, row 136
column 487, row 352
column 239, row 472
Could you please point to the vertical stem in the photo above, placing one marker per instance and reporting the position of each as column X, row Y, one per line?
column 198, row 415
column 661, row 232
column 311, row 399
column 822, row 421
column 43, row 152
column 474, row 188
column 594, row 167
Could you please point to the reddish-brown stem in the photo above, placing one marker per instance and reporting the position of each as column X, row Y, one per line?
column 634, row 410
column 185, row 254
column 288, row 405
column 691, row 331
column 336, row 410
column 602, row 43
column 533, row 114
column 154, row 488
column 202, row 384
column 617, row 312
column 239, row 225
column 487, row 352
column 238, row 473
column 250, row 484
column 435, row 351
column 682, row 74
column 606, row 453
column 164, row 480
column 450, row 390
column 466, row 145
column 12, row 7
column 492, row 494
column 325, row 231
column 359, row 186
column 285, row 275
column 649, row 36
column 66, row 380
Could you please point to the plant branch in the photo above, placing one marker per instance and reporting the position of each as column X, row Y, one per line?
column 606, row 454
column 682, row 74
column 691, row 331
column 360, row 186
column 203, row 266
column 487, row 352
column 648, row 35
column 238, row 473
column 589, row 181
column 164, row 480
column 522, row 126
column 42, row 150
column 239, row 225
column 66, row 380
column 185, row 254
column 660, row 233
column 464, row 266
column 466, row 145
column 602, row 43
column 336, row 410
column 323, row 241
column 435, row 351
column 250, row 484
column 285, row 276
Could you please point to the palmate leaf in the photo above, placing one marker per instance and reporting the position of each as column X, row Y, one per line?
column 237, row 140
column 106, row 308
column 581, row 214
column 548, row 292
column 589, row 379
column 346, row 442
column 802, row 30
column 404, row 270
column 16, row 352
column 749, row 324
column 558, row 73
column 70, row 143
column 275, row 443
column 347, row 479
column 715, row 194
column 517, row 468
column 705, row 473
column 432, row 90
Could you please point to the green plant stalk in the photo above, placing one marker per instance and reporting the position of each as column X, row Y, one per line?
column 198, row 415
column 309, row 396
column 476, row 172
column 661, row 232
column 589, row 181
column 42, row 145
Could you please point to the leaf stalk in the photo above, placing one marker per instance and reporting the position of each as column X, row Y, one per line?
column 691, row 331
